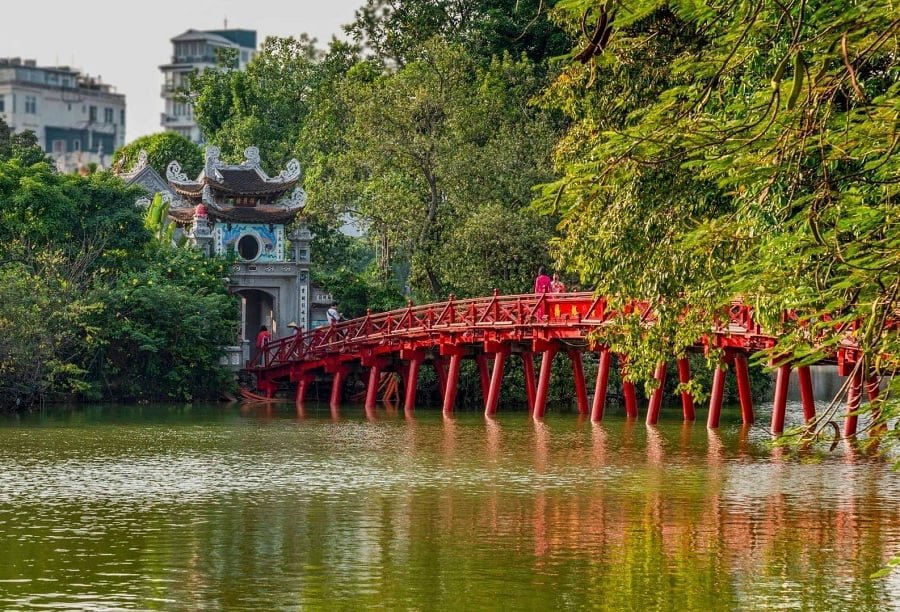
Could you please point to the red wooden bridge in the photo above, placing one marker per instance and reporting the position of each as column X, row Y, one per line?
column 490, row 330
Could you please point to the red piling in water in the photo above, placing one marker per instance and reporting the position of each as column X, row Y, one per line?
column 302, row 388
column 412, row 381
column 543, row 388
column 528, row 369
column 493, row 394
column 452, row 382
column 715, row 397
column 687, row 400
column 580, row 390
column 657, row 396
column 337, row 386
column 631, row 409
column 743, row 383
column 779, row 407
column 854, row 396
column 806, row 393
column 372, row 387
column 600, row 388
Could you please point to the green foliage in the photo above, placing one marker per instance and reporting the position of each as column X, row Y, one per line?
column 22, row 146
column 394, row 30
column 39, row 207
column 157, row 221
column 725, row 151
column 346, row 267
column 161, row 149
column 165, row 324
column 267, row 104
column 45, row 325
column 90, row 306
column 495, row 248
column 421, row 150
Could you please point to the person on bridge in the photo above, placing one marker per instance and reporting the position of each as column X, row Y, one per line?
column 262, row 341
column 333, row 315
column 556, row 285
column 543, row 283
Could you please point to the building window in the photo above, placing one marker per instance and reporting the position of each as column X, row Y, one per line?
column 76, row 145
column 108, row 115
column 59, row 147
column 248, row 247
column 30, row 105
column 121, row 117
column 2, row 104
column 92, row 115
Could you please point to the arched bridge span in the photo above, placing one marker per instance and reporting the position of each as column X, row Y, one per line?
column 491, row 330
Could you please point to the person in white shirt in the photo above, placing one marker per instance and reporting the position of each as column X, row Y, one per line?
column 333, row 315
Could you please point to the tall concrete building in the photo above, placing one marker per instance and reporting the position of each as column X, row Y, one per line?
column 77, row 118
column 195, row 51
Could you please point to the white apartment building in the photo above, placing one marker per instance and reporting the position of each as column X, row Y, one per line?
column 78, row 119
column 195, row 51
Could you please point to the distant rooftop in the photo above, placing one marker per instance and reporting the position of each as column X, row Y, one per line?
column 242, row 38
column 27, row 71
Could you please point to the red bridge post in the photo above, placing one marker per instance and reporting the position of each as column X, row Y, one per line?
column 376, row 365
column 528, row 370
column 337, row 386
column 715, row 397
column 578, row 376
column 743, row 383
column 806, row 393
column 657, row 396
column 601, row 386
column 412, row 377
column 779, row 406
column 493, row 396
column 452, row 384
column 687, row 400
column 543, row 387
column 854, row 396
column 302, row 388
column 628, row 390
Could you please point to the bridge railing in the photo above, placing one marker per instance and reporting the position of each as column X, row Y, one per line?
column 496, row 311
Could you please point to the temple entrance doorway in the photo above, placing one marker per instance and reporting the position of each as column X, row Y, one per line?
column 257, row 308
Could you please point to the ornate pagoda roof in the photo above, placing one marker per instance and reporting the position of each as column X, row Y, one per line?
column 241, row 193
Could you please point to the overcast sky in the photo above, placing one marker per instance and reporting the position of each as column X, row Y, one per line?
column 126, row 41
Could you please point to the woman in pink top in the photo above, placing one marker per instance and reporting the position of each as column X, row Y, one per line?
column 542, row 283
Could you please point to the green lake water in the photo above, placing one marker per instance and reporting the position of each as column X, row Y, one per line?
column 230, row 507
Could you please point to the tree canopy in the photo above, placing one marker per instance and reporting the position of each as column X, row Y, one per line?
column 161, row 148
column 742, row 150
column 90, row 305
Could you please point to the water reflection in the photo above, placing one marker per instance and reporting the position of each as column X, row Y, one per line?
column 255, row 508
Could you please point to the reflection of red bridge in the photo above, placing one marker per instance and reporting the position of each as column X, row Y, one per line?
column 494, row 328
